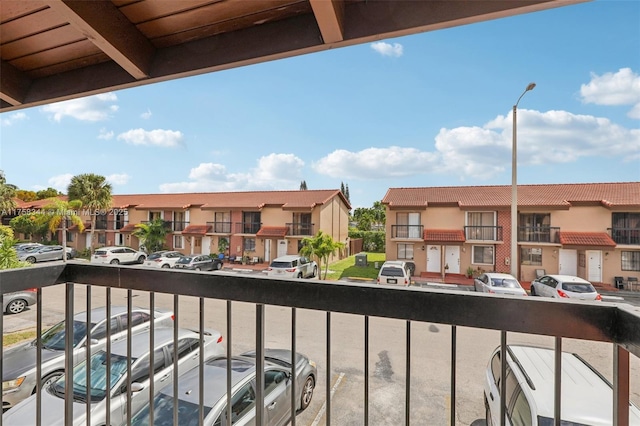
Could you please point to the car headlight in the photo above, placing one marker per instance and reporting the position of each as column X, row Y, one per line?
column 12, row 384
column 312, row 363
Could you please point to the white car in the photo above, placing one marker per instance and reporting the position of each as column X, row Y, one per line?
column 292, row 266
column 564, row 286
column 53, row 397
column 497, row 283
column 396, row 272
column 163, row 259
column 586, row 396
column 118, row 254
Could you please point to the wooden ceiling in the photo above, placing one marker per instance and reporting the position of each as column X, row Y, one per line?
column 53, row 50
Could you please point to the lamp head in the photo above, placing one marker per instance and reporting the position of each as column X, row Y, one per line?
column 530, row 86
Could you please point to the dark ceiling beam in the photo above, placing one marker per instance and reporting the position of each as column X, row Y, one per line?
column 106, row 27
column 14, row 85
column 330, row 17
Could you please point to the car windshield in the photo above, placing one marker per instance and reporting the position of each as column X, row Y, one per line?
column 505, row 282
column 547, row 421
column 156, row 255
column 101, row 252
column 98, row 386
column 185, row 259
column 275, row 264
column 391, row 272
column 578, row 287
column 54, row 337
column 188, row 414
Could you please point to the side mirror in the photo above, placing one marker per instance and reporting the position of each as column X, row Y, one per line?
column 136, row 387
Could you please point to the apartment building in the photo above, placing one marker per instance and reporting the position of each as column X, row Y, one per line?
column 261, row 225
column 588, row 230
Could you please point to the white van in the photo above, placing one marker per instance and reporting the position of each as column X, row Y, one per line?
column 395, row 272
column 586, row 396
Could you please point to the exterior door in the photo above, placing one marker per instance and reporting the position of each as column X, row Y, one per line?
column 282, row 248
column 267, row 251
column 594, row 273
column 433, row 259
column 568, row 262
column 452, row 258
column 206, row 245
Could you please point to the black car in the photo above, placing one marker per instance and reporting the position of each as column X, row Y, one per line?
column 198, row 262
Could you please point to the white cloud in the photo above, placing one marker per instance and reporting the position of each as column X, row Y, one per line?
column 552, row 137
column 620, row 88
column 157, row 137
column 118, row 178
column 106, row 135
column 13, row 118
column 146, row 115
column 60, row 182
column 274, row 171
column 92, row 108
column 387, row 49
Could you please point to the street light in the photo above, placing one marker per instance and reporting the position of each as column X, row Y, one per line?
column 514, row 189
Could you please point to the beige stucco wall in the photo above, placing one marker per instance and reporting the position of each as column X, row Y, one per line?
column 582, row 219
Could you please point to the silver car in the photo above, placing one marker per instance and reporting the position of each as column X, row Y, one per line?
column 41, row 253
column 564, row 287
column 19, row 362
column 53, row 397
column 198, row 262
column 277, row 399
column 16, row 302
column 497, row 283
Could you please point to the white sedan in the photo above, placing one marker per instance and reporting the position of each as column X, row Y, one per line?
column 564, row 287
column 163, row 259
column 493, row 282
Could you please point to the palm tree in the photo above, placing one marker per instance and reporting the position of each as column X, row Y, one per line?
column 59, row 212
column 95, row 194
column 7, row 195
column 151, row 235
column 8, row 256
column 321, row 246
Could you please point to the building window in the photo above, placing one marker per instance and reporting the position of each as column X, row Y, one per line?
column 222, row 222
column 70, row 236
column 481, row 226
column 179, row 221
column 531, row 256
column 405, row 251
column 483, row 255
column 154, row 215
column 250, row 222
column 178, row 241
column 408, row 225
column 250, row 244
column 630, row 260
column 197, row 242
column 102, row 238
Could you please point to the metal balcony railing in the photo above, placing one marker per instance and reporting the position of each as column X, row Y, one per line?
column 365, row 305
column 407, row 231
column 108, row 224
column 247, row 227
column 483, row 233
column 538, row 234
column 299, row 228
column 630, row 236
column 179, row 226
column 220, row 227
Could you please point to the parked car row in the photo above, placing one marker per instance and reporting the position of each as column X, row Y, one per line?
column 37, row 252
column 556, row 286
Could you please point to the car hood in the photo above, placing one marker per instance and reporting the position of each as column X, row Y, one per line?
column 52, row 409
column 22, row 358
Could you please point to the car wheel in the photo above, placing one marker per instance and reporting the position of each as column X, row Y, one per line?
column 141, row 259
column 16, row 306
column 315, row 272
column 166, row 266
column 31, row 259
column 307, row 393
column 299, row 275
column 114, row 262
column 533, row 291
column 50, row 378
column 218, row 266
column 197, row 269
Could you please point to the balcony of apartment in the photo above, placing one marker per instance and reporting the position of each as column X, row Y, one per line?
column 483, row 233
column 167, row 224
column 329, row 320
column 538, row 234
column 179, row 226
column 105, row 225
column 300, row 229
column 407, row 232
column 625, row 236
column 220, row 227
column 248, row 228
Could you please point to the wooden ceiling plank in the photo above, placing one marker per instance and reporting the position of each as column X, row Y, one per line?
column 111, row 31
column 330, row 17
column 42, row 60
column 145, row 11
column 13, row 85
column 33, row 23
column 12, row 9
column 40, row 42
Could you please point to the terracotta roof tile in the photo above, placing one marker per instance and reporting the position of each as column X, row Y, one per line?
column 130, row 227
column 196, row 229
column 618, row 194
column 444, row 235
column 586, row 239
column 272, row 231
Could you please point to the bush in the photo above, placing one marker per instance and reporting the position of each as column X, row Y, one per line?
column 372, row 241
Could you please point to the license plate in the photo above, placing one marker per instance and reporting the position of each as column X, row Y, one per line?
column 392, row 281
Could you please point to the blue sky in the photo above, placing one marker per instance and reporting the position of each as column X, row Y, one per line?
column 431, row 109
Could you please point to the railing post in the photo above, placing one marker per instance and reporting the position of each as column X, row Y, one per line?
column 503, row 376
column 557, row 382
column 620, row 385
column 68, row 350
column 454, row 352
column 260, row 420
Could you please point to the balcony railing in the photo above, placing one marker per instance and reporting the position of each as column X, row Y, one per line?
column 407, row 231
column 483, row 233
column 247, row 227
column 360, row 306
column 299, row 228
column 167, row 224
column 630, row 236
column 538, row 234
column 179, row 226
column 220, row 227
column 110, row 224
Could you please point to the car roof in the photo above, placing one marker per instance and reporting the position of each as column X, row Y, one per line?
column 586, row 395
column 569, row 278
column 140, row 341
column 287, row 258
column 394, row 263
column 499, row 275
column 100, row 313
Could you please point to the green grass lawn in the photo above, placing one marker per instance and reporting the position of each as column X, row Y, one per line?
column 9, row 339
column 347, row 267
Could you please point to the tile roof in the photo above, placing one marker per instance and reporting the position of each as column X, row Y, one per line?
column 619, row 194
column 586, row 239
column 444, row 235
column 196, row 229
column 272, row 231
column 130, row 227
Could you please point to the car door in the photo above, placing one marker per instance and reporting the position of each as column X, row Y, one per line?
column 543, row 287
column 128, row 255
column 304, row 266
column 277, row 396
column 243, row 403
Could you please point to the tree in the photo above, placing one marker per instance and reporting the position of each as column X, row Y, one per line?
column 48, row 193
column 303, row 185
column 59, row 212
column 7, row 195
column 95, row 194
column 346, row 193
column 8, row 255
column 30, row 224
column 151, row 235
column 321, row 247
column 369, row 218
column 25, row 195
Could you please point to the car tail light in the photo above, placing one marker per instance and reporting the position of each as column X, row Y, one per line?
column 158, row 260
column 173, row 317
column 291, row 270
column 219, row 340
column 378, row 280
column 598, row 297
column 562, row 294
column 269, row 268
column 35, row 289
column 406, row 281
column 491, row 291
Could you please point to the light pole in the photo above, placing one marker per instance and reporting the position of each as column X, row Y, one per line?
column 514, row 189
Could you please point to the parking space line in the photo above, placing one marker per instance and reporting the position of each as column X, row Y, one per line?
column 316, row 421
